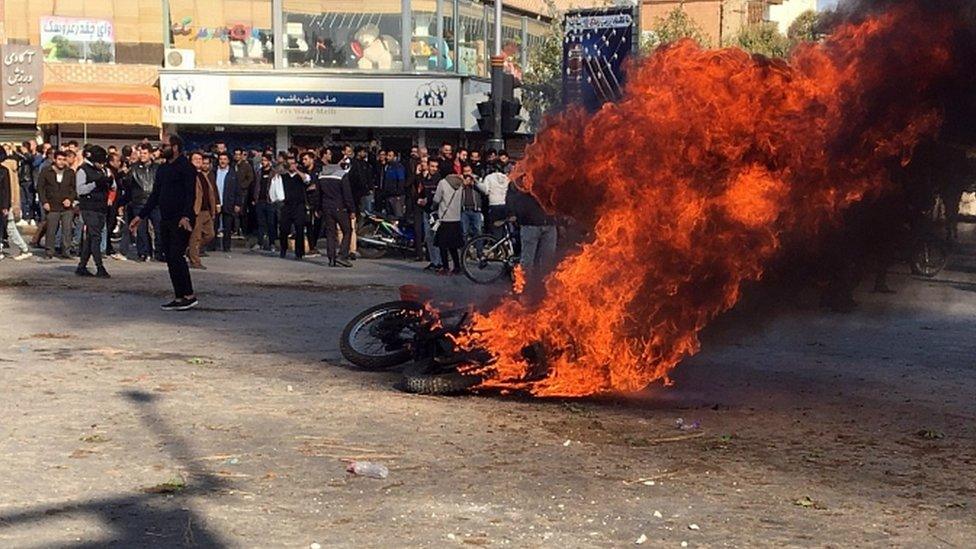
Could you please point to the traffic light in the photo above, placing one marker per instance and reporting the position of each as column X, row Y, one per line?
column 511, row 121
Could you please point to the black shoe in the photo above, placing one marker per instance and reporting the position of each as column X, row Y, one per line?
column 83, row 271
column 171, row 306
column 332, row 262
column 343, row 263
column 180, row 304
column 102, row 273
column 431, row 267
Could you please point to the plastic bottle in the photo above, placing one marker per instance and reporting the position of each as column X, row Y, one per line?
column 368, row 469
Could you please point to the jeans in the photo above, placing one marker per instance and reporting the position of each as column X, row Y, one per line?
column 267, row 222
column 56, row 220
column 147, row 244
column 174, row 241
column 538, row 249
column 91, row 244
column 13, row 235
column 471, row 223
column 497, row 213
column 26, row 201
column 432, row 251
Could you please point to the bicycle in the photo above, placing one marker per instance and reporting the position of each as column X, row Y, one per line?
column 487, row 258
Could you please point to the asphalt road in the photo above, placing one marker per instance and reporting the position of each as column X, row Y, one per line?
column 817, row 429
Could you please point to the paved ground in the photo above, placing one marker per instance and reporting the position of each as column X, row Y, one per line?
column 816, row 429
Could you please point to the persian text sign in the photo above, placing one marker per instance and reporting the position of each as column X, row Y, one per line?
column 73, row 38
column 22, row 71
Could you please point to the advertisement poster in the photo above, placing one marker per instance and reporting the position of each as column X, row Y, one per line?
column 77, row 39
column 596, row 43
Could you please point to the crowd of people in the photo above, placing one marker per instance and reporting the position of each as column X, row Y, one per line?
column 88, row 202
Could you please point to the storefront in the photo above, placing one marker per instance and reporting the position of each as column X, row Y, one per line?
column 313, row 109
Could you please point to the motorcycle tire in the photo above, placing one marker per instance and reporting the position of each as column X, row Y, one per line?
column 929, row 257
column 385, row 358
column 422, row 377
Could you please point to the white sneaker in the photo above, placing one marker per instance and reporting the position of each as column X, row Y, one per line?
column 119, row 257
column 23, row 256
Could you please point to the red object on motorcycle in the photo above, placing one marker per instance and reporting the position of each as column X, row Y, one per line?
column 415, row 292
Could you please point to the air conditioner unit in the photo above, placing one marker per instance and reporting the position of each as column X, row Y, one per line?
column 179, row 59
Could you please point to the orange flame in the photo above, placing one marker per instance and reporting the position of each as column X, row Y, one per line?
column 692, row 183
column 518, row 280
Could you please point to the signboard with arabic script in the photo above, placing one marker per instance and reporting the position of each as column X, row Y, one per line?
column 22, row 71
column 311, row 100
column 73, row 39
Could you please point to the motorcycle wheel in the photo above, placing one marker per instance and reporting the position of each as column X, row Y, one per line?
column 422, row 378
column 929, row 257
column 484, row 266
column 377, row 338
column 364, row 249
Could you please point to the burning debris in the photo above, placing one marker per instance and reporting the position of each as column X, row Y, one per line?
column 711, row 163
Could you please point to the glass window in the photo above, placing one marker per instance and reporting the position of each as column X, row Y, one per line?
column 343, row 35
column 512, row 44
column 70, row 32
column 224, row 32
column 432, row 42
column 472, row 53
column 537, row 31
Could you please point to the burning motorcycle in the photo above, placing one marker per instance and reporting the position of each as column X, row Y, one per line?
column 410, row 331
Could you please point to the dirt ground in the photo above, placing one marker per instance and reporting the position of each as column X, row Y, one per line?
column 226, row 426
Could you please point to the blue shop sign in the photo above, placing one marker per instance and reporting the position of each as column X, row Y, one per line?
column 331, row 99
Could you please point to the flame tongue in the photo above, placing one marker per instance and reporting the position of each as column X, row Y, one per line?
column 692, row 182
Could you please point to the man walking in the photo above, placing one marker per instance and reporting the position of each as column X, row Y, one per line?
column 56, row 187
column 143, row 174
column 204, row 206
column 229, row 198
column 93, row 183
column 293, row 209
column 337, row 203
column 174, row 193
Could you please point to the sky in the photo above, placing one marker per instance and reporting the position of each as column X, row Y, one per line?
column 825, row 4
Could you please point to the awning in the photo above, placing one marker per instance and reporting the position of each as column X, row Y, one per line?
column 126, row 105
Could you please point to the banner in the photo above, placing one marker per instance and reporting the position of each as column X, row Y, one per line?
column 22, row 71
column 73, row 39
column 595, row 45
column 314, row 100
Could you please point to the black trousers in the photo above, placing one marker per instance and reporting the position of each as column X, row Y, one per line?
column 314, row 228
column 227, row 222
column 175, row 241
column 110, row 219
column 91, row 243
column 289, row 219
column 334, row 220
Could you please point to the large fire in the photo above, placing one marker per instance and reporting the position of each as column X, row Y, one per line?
column 693, row 181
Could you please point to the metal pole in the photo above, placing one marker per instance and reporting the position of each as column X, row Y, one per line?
column 497, row 140
column 439, row 36
column 278, row 31
column 167, row 25
column 406, row 35
column 457, row 34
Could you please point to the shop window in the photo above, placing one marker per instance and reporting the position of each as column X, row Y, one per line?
column 329, row 34
column 432, row 35
column 224, row 32
column 472, row 54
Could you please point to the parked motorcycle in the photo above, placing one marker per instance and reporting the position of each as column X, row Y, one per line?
column 376, row 236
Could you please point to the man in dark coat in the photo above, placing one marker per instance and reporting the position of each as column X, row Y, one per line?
column 229, row 197
column 336, row 204
column 174, row 193
column 56, row 190
column 293, row 209
column 93, row 183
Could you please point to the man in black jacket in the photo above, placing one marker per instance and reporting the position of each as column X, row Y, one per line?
column 143, row 177
column 56, row 188
column 228, row 197
column 293, row 210
column 92, row 183
column 174, row 192
column 337, row 203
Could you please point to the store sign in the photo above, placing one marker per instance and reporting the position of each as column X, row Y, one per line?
column 368, row 101
column 22, row 72
column 72, row 39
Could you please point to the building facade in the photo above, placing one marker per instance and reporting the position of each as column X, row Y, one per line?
column 273, row 72
column 722, row 20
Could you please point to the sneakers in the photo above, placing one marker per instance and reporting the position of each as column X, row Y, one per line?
column 23, row 256
column 180, row 304
column 102, row 273
column 119, row 257
column 83, row 272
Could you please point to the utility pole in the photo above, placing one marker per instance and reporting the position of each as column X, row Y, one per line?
column 497, row 140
